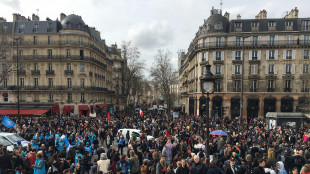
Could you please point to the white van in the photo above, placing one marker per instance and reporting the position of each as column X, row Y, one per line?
column 136, row 132
column 6, row 143
column 13, row 138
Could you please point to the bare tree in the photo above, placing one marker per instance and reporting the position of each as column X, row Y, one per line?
column 132, row 71
column 7, row 63
column 162, row 73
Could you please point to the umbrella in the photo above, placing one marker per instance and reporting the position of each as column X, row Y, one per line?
column 219, row 132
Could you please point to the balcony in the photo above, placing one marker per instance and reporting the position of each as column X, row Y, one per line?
column 236, row 76
column 306, row 57
column 22, row 72
column 35, row 72
column 36, row 101
column 82, row 101
column 287, row 89
column 69, row 101
column 237, row 89
column 270, row 89
column 22, row 101
column 50, row 101
column 68, row 72
column 50, row 72
column 253, row 89
column 305, row 90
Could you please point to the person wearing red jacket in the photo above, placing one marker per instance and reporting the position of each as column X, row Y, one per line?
column 32, row 159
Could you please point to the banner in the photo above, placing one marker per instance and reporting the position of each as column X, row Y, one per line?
column 7, row 122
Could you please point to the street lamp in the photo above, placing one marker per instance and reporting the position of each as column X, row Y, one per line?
column 207, row 86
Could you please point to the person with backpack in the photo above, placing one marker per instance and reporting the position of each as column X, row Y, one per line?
column 298, row 160
column 123, row 165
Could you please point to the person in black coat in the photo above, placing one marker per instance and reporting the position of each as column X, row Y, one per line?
column 198, row 167
column 232, row 168
column 183, row 169
column 213, row 169
column 260, row 168
column 86, row 163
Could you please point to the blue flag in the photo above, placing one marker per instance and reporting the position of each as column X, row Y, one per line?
column 7, row 122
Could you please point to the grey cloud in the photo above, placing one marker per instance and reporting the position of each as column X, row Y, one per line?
column 153, row 35
column 14, row 4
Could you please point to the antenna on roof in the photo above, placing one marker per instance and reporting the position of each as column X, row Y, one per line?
column 37, row 11
column 221, row 4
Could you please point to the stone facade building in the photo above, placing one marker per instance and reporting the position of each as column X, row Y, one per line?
column 276, row 65
column 64, row 66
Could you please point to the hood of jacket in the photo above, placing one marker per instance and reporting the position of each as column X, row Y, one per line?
column 281, row 165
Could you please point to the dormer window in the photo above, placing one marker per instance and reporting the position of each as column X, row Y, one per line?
column 238, row 24
column 35, row 27
column 208, row 27
column 5, row 27
column 21, row 27
column 288, row 23
column 272, row 24
column 255, row 24
column 68, row 24
column 218, row 26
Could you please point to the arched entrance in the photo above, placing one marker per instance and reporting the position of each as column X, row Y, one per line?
column 252, row 108
column 269, row 105
column 191, row 106
column 217, row 106
column 235, row 107
column 287, row 104
column 303, row 104
column 202, row 106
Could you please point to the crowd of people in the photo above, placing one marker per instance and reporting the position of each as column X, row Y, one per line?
column 82, row 145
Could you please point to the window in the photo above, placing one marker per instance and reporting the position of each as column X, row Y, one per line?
column 305, row 68
column 3, row 40
column 50, row 67
column 237, row 85
column 82, row 97
column 82, row 67
column 218, row 41
column 306, row 54
column 272, row 24
column 5, row 27
column 271, row 40
column 69, row 97
column 22, row 82
column 289, row 39
column 69, row 66
column 288, row 68
column 5, row 97
column 306, row 40
column 35, row 67
column 254, row 55
column 21, row 53
column 253, row 85
column 49, row 27
column 271, row 55
column 3, row 54
column 288, row 23
column 238, row 55
column 218, row 26
column 289, row 54
column 254, row 69
column 218, row 69
column 68, row 53
column 21, row 27
column 48, row 40
column 69, row 83
column 287, row 85
column 305, row 25
column 238, row 41
column 204, row 56
column 217, row 86
column 36, row 82
column 68, row 40
column 80, row 40
column 35, row 53
column 51, row 98
column 50, row 82
column 35, row 27
column 35, row 40
column 271, row 85
column 218, row 55
column 82, row 83
column 49, row 53
column 254, row 40
column 237, row 69
column 5, row 82
column 4, row 68
column 254, row 24
column 238, row 24
column 271, row 69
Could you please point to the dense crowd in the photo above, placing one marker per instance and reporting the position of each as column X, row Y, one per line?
column 95, row 146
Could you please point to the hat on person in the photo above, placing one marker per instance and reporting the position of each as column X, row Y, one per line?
column 87, row 143
column 19, row 142
column 103, row 156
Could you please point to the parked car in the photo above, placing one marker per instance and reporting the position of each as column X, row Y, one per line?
column 6, row 143
column 13, row 138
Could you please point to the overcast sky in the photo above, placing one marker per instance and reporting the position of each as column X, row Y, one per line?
column 149, row 24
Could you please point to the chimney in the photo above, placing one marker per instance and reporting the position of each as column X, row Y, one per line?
column 62, row 16
column 238, row 17
column 226, row 15
column 35, row 17
column 15, row 17
column 261, row 15
column 292, row 14
column 2, row 19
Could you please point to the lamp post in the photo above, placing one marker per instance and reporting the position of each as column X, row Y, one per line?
column 17, row 76
column 242, row 80
column 207, row 86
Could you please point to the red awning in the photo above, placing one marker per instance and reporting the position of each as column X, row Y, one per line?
column 83, row 108
column 102, row 105
column 23, row 112
column 55, row 109
column 93, row 106
column 67, row 109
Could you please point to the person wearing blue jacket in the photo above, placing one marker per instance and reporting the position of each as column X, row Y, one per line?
column 39, row 165
column 60, row 144
column 87, row 148
column 121, row 143
column 78, row 154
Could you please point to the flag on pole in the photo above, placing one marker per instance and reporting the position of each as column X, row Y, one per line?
column 7, row 122
column 65, row 139
column 109, row 116
column 141, row 113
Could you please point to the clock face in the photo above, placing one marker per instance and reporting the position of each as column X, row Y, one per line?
column 208, row 86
